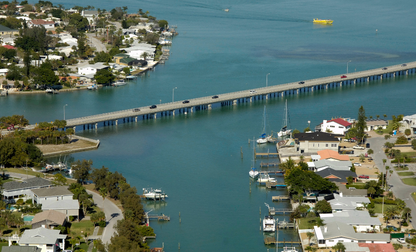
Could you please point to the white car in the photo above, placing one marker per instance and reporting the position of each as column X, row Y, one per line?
column 401, row 240
column 357, row 164
column 253, row 91
column 358, row 147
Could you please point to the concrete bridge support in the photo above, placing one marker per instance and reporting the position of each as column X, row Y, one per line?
column 234, row 102
column 209, row 106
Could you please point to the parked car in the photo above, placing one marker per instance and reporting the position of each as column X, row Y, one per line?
column 367, row 145
column 343, row 76
column 136, row 110
column 358, row 147
column 215, row 97
column 357, row 164
column 153, row 107
column 401, row 240
column 186, row 101
column 301, row 82
column 364, row 177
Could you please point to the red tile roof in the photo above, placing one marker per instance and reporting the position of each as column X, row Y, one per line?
column 378, row 247
column 341, row 122
column 41, row 22
column 325, row 154
column 9, row 47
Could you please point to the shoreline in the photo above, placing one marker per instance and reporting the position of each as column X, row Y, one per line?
column 70, row 148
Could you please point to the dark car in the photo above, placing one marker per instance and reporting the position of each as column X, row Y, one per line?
column 153, row 106
column 367, row 145
column 184, row 102
column 363, row 177
column 301, row 82
column 343, row 76
column 215, row 97
column 384, row 68
column 404, row 65
column 136, row 110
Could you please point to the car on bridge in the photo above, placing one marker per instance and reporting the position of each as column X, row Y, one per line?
column 301, row 82
column 185, row 102
column 384, row 68
column 343, row 76
column 403, row 65
column 253, row 91
column 136, row 110
column 215, row 97
column 153, row 107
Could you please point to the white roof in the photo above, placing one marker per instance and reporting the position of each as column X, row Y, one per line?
column 60, row 205
column 346, row 203
column 99, row 65
column 316, row 157
column 40, row 235
column 336, row 165
column 354, row 218
column 311, row 164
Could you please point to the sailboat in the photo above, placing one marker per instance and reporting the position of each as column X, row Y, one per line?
column 264, row 138
column 253, row 173
column 284, row 131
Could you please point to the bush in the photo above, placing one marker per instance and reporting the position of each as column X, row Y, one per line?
column 414, row 144
column 386, row 201
column 19, row 202
column 401, row 140
column 102, row 224
column 397, row 246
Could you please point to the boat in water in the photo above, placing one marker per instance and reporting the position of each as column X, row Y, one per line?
column 253, row 173
column 92, row 87
column 284, row 131
column 322, row 21
column 264, row 138
column 154, row 194
column 269, row 224
column 289, row 249
column 119, row 83
column 264, row 178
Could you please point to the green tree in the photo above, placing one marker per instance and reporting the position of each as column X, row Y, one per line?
column 163, row 23
column 407, row 132
column 44, row 75
column 103, row 192
column 414, row 144
column 339, row 247
column 323, row 206
column 370, row 151
column 59, row 179
column 310, row 235
column 104, row 76
column 361, row 124
column 81, row 170
column 350, row 180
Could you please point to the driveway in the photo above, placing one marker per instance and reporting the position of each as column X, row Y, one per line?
column 112, row 215
column 399, row 189
column 99, row 46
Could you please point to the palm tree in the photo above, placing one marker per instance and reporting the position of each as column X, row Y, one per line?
column 339, row 247
column 309, row 235
column 385, row 116
column 378, row 116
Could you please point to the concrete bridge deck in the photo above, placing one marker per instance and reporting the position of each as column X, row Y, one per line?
column 234, row 98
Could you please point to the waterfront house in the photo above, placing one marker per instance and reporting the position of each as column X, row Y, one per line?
column 334, row 232
column 340, row 203
column 335, row 165
column 7, row 31
column 67, row 207
column 332, row 155
column 336, row 126
column 409, row 122
column 14, row 190
column 47, row 240
column 375, row 124
column 339, row 176
column 351, row 191
column 90, row 15
column 51, row 194
column 311, row 143
column 360, row 220
column 125, row 60
column 41, row 23
column 90, row 70
column 48, row 219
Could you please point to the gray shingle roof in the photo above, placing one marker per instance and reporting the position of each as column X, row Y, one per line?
column 26, row 184
column 353, row 218
column 336, row 165
column 51, row 215
column 338, row 229
column 336, row 176
column 40, row 235
column 60, row 205
column 52, row 191
column 318, row 136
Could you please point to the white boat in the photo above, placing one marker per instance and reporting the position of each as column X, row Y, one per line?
column 284, row 131
column 119, row 83
column 226, row 10
column 253, row 173
column 49, row 90
column 92, row 87
column 264, row 138
column 154, row 194
column 289, row 249
column 269, row 224
column 264, row 177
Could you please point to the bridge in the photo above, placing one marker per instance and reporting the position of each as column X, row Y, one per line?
column 239, row 97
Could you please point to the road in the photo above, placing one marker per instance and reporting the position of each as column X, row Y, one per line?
column 112, row 215
column 399, row 189
column 99, row 46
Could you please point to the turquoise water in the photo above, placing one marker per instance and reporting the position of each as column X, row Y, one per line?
column 28, row 218
column 196, row 158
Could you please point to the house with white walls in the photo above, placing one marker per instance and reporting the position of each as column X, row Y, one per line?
column 359, row 219
column 336, row 126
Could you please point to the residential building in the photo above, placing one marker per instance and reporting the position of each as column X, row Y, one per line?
column 20, row 249
column 7, row 31
column 14, row 190
column 91, row 69
column 351, row 191
column 68, row 207
column 334, row 232
column 125, row 60
column 336, row 126
column 340, row 203
column 360, row 220
column 311, row 143
column 41, row 23
column 409, row 122
column 48, row 219
column 51, row 194
column 375, row 124
column 47, row 240
column 335, row 165
column 340, row 176
column 332, row 155
column 90, row 15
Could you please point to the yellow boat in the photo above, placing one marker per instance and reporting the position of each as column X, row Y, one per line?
column 322, row 21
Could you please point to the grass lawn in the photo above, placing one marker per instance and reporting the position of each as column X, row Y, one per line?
column 406, row 173
column 378, row 208
column 409, row 181
column 307, row 223
column 5, row 244
column 404, row 168
column 85, row 226
column 100, row 231
column 23, row 171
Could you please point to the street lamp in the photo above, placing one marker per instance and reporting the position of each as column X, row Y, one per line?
column 64, row 110
column 173, row 94
column 347, row 65
column 267, row 79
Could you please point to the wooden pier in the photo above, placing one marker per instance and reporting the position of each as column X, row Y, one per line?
column 272, row 240
column 270, row 185
column 159, row 217
column 240, row 97
column 267, row 154
column 269, row 164
column 279, row 198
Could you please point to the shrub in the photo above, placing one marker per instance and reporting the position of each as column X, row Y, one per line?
column 401, row 140
column 19, row 202
column 397, row 246
column 102, row 223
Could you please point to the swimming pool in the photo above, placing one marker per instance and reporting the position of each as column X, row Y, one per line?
column 28, row 218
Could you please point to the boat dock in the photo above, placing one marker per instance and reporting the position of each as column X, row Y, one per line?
column 268, row 164
column 240, row 97
column 279, row 198
column 272, row 240
column 158, row 217
column 270, row 185
column 267, row 155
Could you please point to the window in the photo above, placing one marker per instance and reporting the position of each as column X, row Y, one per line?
column 333, row 145
column 326, row 145
column 330, row 240
column 332, row 126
